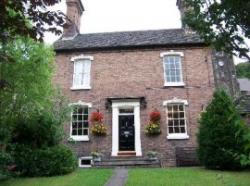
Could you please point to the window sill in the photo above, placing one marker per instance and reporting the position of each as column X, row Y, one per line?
column 79, row 138
column 178, row 136
column 179, row 84
column 81, row 88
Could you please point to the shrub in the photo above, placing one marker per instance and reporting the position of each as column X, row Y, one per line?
column 48, row 161
column 5, row 161
column 39, row 130
column 221, row 134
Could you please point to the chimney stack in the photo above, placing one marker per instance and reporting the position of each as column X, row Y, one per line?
column 74, row 11
column 183, row 9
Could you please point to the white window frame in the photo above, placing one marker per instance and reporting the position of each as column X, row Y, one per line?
column 176, row 135
column 82, row 137
column 172, row 53
column 77, row 59
column 85, row 158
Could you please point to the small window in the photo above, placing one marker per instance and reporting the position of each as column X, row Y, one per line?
column 81, row 76
column 80, row 122
column 176, row 121
column 85, row 161
column 126, row 110
column 173, row 70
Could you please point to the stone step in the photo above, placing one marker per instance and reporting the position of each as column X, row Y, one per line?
column 128, row 163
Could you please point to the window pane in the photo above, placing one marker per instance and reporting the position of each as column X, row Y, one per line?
column 86, row 110
column 182, row 122
column 86, row 124
column 176, row 130
column 79, row 125
column 170, row 123
column 80, row 117
column 176, row 115
column 183, row 130
column 176, row 118
column 80, row 121
column 85, row 117
column 173, row 68
column 85, row 132
column 74, row 125
column 80, row 132
column 170, row 130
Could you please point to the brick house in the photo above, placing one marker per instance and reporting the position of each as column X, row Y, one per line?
column 126, row 75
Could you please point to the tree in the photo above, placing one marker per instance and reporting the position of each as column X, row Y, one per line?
column 29, row 18
column 223, row 23
column 243, row 70
column 32, row 112
column 221, row 134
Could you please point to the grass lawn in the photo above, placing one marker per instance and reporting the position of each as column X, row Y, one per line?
column 186, row 177
column 81, row 177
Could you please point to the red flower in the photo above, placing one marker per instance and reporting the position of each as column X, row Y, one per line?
column 155, row 116
column 96, row 117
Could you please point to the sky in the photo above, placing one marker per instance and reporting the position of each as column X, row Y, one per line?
column 125, row 15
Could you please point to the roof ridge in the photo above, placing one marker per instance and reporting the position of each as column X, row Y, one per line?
column 131, row 31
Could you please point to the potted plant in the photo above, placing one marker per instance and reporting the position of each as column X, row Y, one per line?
column 152, row 155
column 153, row 127
column 96, row 156
column 98, row 129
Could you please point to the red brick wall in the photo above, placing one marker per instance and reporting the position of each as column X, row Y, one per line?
column 136, row 73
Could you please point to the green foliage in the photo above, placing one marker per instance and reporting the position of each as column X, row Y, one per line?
column 221, row 134
column 5, row 161
column 224, row 24
column 49, row 161
column 243, row 70
column 28, row 77
column 32, row 111
column 29, row 18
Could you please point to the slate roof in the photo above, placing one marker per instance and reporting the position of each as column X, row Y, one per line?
column 130, row 39
column 244, row 84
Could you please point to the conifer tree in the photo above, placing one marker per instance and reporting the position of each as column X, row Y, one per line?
column 221, row 134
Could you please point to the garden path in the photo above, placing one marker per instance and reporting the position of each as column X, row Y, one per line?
column 119, row 177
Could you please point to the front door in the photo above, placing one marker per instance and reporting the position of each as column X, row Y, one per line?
column 126, row 133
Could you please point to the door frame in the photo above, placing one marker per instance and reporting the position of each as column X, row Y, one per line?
column 116, row 105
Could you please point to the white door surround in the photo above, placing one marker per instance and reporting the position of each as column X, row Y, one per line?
column 116, row 105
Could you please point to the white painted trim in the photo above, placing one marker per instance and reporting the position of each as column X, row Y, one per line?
column 82, row 56
column 85, row 158
column 80, row 138
column 81, row 88
column 171, row 52
column 115, row 126
column 178, row 136
column 76, row 58
column 175, row 100
column 83, row 137
column 174, row 84
column 81, row 103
